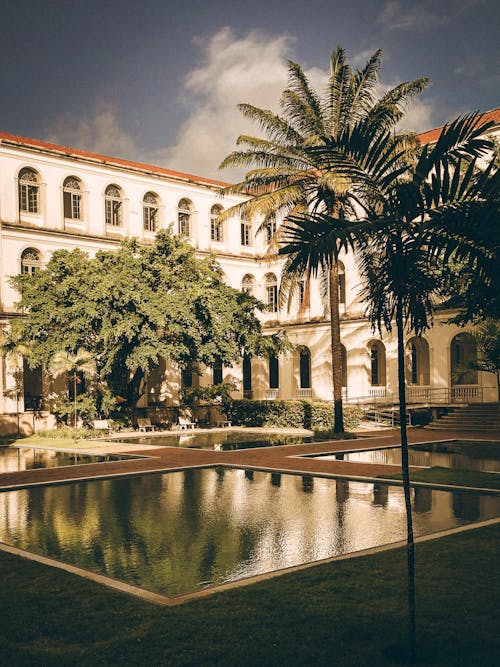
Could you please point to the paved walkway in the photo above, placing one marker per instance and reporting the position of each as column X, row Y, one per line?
column 284, row 458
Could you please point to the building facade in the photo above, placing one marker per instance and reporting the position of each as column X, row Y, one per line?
column 54, row 197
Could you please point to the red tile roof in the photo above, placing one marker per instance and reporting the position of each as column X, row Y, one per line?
column 104, row 159
column 425, row 138
column 432, row 135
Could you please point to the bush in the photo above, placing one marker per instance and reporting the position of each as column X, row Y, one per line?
column 421, row 417
column 292, row 414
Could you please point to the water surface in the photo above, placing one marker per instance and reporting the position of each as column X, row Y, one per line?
column 455, row 454
column 182, row 531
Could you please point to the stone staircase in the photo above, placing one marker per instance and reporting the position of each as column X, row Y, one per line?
column 476, row 417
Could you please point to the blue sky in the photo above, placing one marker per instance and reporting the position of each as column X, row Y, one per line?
column 159, row 81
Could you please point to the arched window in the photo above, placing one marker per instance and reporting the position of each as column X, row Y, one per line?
column 30, row 261
column 184, row 217
column 271, row 292
column 418, row 367
column 217, row 372
column 463, row 353
column 377, row 364
column 113, row 200
column 246, row 231
column 274, row 372
column 247, row 376
column 216, row 227
column 305, row 368
column 248, row 284
column 150, row 211
column 72, row 198
column 29, row 191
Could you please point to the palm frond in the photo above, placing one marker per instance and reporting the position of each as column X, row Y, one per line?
column 389, row 110
column 363, row 87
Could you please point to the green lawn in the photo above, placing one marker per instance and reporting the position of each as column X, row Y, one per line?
column 438, row 475
column 350, row 613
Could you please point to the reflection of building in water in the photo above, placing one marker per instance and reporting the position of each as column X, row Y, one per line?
column 173, row 531
column 422, row 499
column 380, row 494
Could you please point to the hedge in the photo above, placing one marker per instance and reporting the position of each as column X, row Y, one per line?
column 294, row 414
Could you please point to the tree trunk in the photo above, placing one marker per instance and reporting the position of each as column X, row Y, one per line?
column 336, row 348
column 410, row 549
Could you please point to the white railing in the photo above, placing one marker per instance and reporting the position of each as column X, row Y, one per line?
column 304, row 393
column 465, row 393
column 418, row 394
column 272, row 394
column 377, row 392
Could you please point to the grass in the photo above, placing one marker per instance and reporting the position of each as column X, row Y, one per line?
column 438, row 475
column 349, row 613
column 325, row 435
column 62, row 442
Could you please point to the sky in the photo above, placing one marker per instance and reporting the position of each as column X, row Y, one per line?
column 159, row 81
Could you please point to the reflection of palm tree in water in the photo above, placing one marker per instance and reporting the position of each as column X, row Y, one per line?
column 339, row 529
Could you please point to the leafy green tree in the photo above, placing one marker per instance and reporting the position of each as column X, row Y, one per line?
column 133, row 306
column 289, row 177
column 417, row 211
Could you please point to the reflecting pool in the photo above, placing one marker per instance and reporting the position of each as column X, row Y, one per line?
column 182, row 531
column 453, row 454
column 15, row 459
column 218, row 440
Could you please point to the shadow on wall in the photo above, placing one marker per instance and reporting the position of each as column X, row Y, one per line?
column 26, row 423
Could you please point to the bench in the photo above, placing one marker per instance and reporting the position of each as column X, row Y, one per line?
column 184, row 423
column 101, row 425
column 144, row 424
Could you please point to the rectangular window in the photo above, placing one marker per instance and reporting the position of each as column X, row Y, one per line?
column 274, row 373
column 246, row 234
column 342, row 288
column 184, row 224
column 28, row 196
column 150, row 214
column 270, row 231
column 72, row 209
column 272, row 298
column 302, row 292
column 113, row 212
column 216, row 231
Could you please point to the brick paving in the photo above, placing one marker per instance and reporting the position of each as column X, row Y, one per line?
column 283, row 458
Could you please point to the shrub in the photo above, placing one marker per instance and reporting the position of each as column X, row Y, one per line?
column 292, row 414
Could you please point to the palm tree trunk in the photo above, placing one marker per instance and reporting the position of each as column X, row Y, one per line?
column 336, row 348
column 410, row 549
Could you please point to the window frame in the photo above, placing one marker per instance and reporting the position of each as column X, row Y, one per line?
column 29, row 191
column 113, row 206
column 150, row 212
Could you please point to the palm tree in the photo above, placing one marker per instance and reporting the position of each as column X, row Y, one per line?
column 73, row 365
column 288, row 177
column 414, row 210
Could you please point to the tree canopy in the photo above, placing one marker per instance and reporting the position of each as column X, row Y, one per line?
column 133, row 306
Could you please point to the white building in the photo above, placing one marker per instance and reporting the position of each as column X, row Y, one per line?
column 54, row 197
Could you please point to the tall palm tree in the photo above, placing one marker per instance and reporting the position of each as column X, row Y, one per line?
column 73, row 365
column 417, row 212
column 288, row 177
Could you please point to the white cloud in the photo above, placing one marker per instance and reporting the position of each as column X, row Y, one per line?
column 250, row 69
column 100, row 133
column 424, row 15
